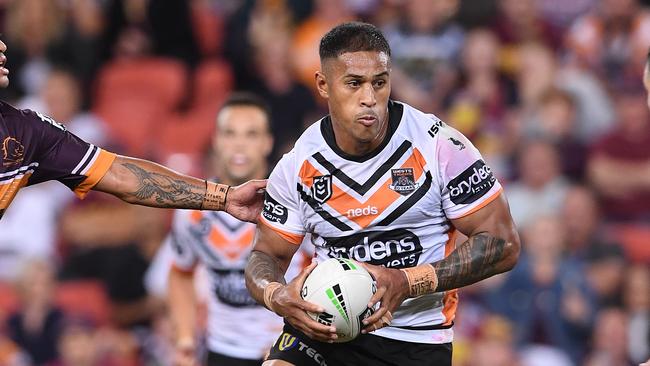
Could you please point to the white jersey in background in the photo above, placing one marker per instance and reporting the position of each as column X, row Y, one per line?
column 391, row 207
column 237, row 325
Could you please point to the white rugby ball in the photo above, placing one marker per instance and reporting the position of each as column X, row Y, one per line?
column 343, row 288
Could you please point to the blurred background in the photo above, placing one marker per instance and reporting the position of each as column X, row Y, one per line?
column 549, row 90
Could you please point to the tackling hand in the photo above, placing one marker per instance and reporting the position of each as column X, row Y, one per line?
column 245, row 201
column 392, row 289
column 287, row 302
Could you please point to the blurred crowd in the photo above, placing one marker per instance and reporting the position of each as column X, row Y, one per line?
column 550, row 91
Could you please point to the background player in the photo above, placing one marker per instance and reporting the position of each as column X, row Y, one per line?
column 422, row 181
column 36, row 149
column 240, row 332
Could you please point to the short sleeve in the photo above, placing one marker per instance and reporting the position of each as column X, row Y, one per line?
column 281, row 210
column 180, row 239
column 64, row 157
column 467, row 182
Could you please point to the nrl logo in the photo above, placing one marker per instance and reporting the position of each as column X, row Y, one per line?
column 403, row 181
column 321, row 189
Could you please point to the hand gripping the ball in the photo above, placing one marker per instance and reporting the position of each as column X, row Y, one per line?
column 392, row 289
column 287, row 302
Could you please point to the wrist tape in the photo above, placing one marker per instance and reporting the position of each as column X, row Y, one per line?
column 422, row 280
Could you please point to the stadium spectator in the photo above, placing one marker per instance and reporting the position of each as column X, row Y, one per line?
column 36, row 328
column 619, row 163
column 581, row 215
column 605, row 270
column 520, row 21
column 291, row 103
column 540, row 189
column 546, row 297
column 426, row 43
column 610, row 339
column 612, row 41
column 636, row 297
column 555, row 120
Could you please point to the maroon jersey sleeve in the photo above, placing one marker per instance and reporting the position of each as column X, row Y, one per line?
column 63, row 156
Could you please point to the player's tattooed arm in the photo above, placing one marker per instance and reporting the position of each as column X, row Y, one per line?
column 478, row 258
column 150, row 184
column 146, row 183
column 261, row 270
column 492, row 247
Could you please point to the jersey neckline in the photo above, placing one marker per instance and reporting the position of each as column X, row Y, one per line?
column 395, row 111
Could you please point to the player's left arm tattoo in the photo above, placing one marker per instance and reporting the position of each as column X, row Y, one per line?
column 478, row 258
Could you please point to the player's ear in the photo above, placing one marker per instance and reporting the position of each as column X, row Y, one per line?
column 321, row 84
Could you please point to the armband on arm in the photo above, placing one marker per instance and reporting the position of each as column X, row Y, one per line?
column 215, row 196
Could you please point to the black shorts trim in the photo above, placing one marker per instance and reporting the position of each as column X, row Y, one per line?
column 427, row 327
column 219, row 359
column 367, row 349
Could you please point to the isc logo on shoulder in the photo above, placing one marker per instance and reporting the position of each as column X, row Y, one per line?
column 273, row 210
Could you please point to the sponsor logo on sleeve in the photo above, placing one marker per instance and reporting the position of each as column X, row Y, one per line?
column 274, row 211
column 471, row 184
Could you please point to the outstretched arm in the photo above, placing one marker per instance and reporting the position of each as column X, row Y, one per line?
column 146, row 183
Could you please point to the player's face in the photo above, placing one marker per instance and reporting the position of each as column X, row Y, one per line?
column 242, row 143
column 357, row 87
column 4, row 72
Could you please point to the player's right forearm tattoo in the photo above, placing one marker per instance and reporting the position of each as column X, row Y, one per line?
column 261, row 270
column 478, row 258
column 161, row 189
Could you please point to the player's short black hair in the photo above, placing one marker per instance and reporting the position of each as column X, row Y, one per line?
column 647, row 58
column 247, row 99
column 352, row 37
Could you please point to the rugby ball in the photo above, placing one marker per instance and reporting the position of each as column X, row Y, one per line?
column 343, row 288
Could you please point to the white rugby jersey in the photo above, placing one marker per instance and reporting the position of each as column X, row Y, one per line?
column 391, row 207
column 237, row 325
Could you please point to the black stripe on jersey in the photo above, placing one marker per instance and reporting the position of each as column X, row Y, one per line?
column 231, row 228
column 319, row 210
column 406, row 205
column 88, row 160
column 2, row 212
column 363, row 189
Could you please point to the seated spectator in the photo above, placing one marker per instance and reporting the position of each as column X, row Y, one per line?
column 546, row 296
column 521, row 21
column 605, row 270
column 612, row 40
column 610, row 341
column 555, row 120
column 425, row 46
column 619, row 164
column 636, row 297
column 540, row 189
column 582, row 217
column 36, row 327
